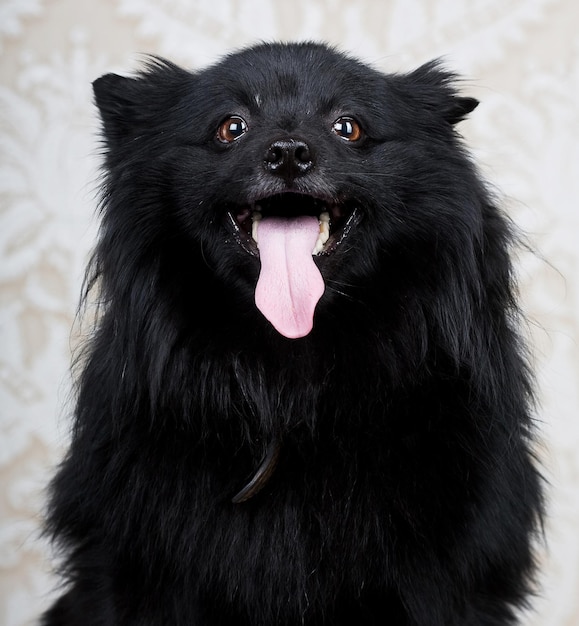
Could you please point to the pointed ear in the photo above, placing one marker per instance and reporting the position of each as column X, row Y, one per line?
column 435, row 89
column 115, row 97
column 131, row 106
column 459, row 107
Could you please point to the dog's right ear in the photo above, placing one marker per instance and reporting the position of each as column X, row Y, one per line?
column 131, row 106
column 115, row 97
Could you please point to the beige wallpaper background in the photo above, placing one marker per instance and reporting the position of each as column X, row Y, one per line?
column 521, row 59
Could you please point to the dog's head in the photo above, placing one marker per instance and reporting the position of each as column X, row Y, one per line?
column 298, row 170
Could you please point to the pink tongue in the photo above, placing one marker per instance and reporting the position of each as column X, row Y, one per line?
column 289, row 284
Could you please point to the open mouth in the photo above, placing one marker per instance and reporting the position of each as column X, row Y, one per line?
column 286, row 232
column 335, row 219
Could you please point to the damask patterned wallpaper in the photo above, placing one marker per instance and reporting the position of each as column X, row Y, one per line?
column 520, row 58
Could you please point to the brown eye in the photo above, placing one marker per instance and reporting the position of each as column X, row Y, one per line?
column 347, row 128
column 231, row 129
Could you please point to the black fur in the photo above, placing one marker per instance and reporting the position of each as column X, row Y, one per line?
column 405, row 491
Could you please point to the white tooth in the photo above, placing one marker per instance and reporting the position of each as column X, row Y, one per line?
column 324, row 232
column 318, row 247
column 256, row 217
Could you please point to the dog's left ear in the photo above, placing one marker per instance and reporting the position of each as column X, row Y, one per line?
column 437, row 91
column 459, row 107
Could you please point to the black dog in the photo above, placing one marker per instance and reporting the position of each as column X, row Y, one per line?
column 330, row 426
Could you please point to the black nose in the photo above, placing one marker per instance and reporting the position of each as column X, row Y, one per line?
column 288, row 158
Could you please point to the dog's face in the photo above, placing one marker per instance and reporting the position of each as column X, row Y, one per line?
column 299, row 171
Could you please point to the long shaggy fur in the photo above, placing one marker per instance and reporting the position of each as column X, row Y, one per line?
column 405, row 491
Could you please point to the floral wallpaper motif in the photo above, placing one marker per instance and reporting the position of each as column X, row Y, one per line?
column 521, row 59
